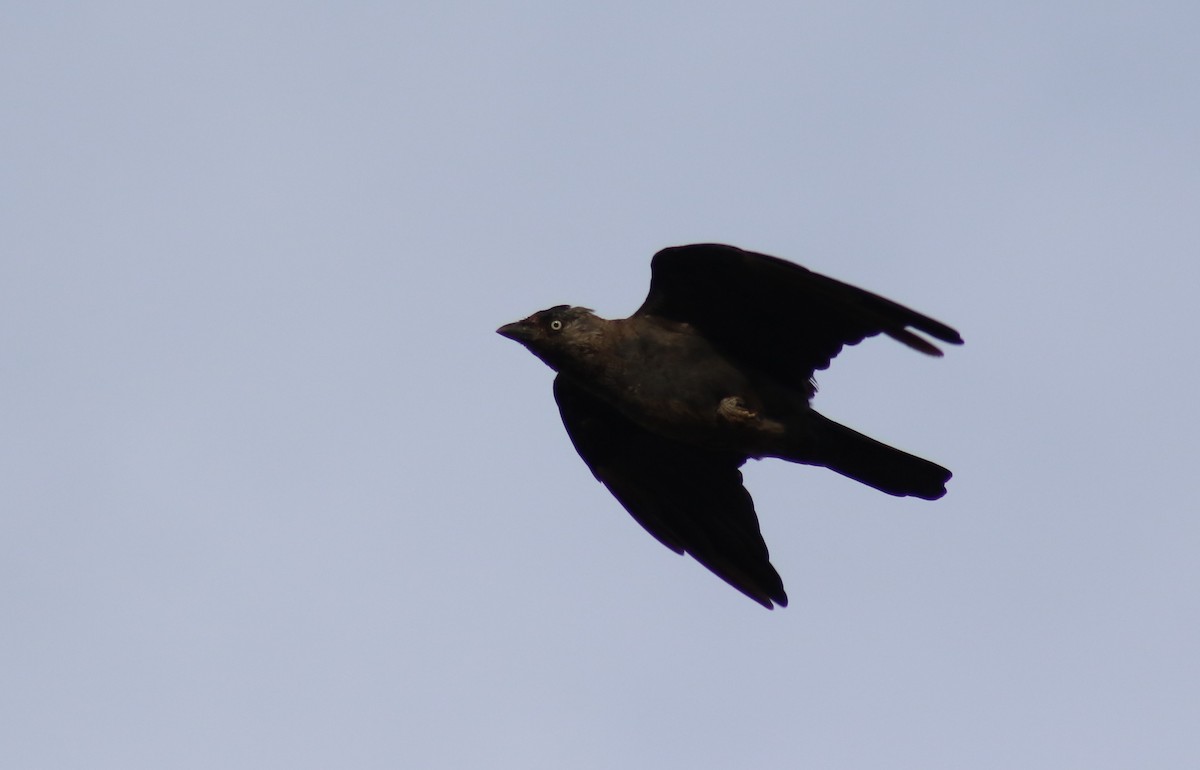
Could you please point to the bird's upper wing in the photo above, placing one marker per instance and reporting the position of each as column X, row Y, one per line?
column 774, row 315
column 690, row 499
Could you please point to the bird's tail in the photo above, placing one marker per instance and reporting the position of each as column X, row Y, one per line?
column 875, row 464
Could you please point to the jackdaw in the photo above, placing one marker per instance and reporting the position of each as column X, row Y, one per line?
column 714, row 368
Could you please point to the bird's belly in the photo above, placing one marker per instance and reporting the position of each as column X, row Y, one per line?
column 710, row 406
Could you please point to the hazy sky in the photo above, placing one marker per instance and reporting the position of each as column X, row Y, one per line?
column 275, row 495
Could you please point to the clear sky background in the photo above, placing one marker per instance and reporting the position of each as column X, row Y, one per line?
column 275, row 494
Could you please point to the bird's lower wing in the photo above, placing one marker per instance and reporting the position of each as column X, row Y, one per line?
column 690, row 499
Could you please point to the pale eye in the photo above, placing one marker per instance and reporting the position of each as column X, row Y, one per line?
column 555, row 325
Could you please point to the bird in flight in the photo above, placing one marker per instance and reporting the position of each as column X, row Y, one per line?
column 714, row 368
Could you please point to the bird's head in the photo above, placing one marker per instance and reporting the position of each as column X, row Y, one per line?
column 559, row 335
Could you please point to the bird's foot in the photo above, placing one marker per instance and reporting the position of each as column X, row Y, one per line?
column 734, row 409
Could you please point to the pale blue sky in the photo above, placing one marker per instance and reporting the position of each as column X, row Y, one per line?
column 277, row 496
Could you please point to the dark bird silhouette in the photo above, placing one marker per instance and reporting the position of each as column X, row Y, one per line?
column 714, row 368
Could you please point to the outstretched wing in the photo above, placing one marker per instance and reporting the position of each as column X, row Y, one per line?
column 774, row 315
column 691, row 500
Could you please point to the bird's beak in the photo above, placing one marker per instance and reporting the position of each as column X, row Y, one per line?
column 518, row 330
